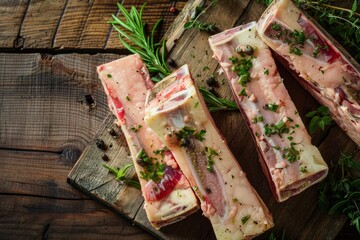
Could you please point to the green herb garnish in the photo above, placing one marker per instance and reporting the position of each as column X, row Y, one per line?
column 299, row 36
column 215, row 103
column 136, row 128
column 128, row 98
column 186, row 133
column 243, row 92
column 210, row 153
column 120, row 174
column 245, row 219
column 153, row 171
column 266, row 71
column 340, row 20
column 319, row 119
column 241, row 67
column 109, row 75
column 278, row 128
column 291, row 153
column 276, row 27
column 340, row 191
column 258, row 119
column 295, row 51
column 271, row 107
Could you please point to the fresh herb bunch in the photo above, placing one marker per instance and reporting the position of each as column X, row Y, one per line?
column 120, row 174
column 319, row 118
column 195, row 23
column 153, row 54
column 340, row 191
column 343, row 23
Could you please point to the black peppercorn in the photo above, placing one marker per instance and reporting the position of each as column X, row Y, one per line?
column 100, row 144
column 112, row 132
column 211, row 81
column 105, row 157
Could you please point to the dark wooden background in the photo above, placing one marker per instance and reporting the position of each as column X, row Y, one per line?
column 48, row 53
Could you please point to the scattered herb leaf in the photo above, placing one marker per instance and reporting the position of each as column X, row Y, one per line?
column 120, row 174
column 319, row 119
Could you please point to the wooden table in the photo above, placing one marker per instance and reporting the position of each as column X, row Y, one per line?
column 49, row 50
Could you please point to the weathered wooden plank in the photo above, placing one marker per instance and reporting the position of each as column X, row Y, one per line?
column 28, row 217
column 72, row 24
column 43, row 104
column 41, row 22
column 192, row 48
column 11, row 16
column 37, row 173
column 90, row 176
column 154, row 11
column 95, row 31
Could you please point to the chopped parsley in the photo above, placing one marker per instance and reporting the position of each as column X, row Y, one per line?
column 303, row 169
column 136, row 128
column 278, row 128
column 210, row 161
column 109, row 75
column 243, row 92
column 153, row 171
column 299, row 37
column 143, row 159
column 271, row 107
column 266, row 71
column 245, row 219
column 276, row 27
column 258, row 119
column 161, row 151
column 196, row 104
column 295, row 51
column 128, row 98
column 290, row 153
column 186, row 133
column 241, row 67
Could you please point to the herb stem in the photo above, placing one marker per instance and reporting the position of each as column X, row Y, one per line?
column 338, row 8
column 205, row 9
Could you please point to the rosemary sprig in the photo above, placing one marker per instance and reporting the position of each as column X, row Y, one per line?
column 153, row 54
column 215, row 103
column 340, row 191
column 120, row 174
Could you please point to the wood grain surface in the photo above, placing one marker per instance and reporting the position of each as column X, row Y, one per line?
column 46, row 123
column 72, row 24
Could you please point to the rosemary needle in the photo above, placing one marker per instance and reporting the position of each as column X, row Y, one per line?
column 153, row 54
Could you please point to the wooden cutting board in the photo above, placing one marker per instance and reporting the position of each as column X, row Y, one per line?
column 298, row 216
